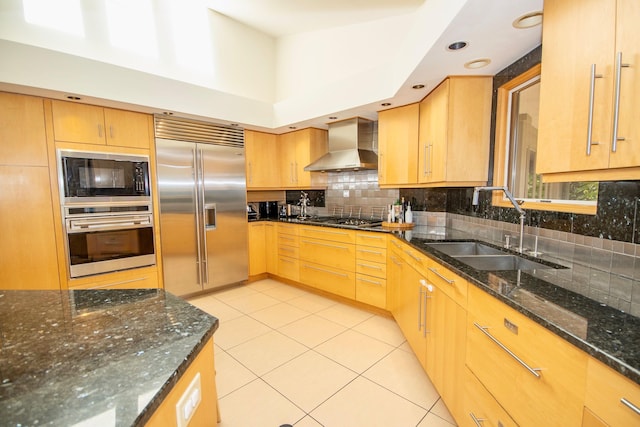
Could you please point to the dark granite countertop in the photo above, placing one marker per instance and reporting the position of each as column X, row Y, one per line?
column 605, row 333
column 106, row 357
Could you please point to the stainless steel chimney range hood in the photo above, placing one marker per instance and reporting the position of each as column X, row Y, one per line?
column 351, row 147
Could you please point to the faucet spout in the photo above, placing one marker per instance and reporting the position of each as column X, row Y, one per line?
column 514, row 202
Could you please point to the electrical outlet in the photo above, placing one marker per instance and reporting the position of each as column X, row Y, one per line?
column 188, row 403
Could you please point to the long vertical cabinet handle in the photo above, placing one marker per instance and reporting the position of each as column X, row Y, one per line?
column 616, row 103
column 196, row 198
column 424, row 288
column 592, row 89
column 424, row 156
column 630, row 405
column 203, row 230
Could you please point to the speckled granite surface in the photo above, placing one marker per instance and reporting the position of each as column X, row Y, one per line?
column 608, row 334
column 68, row 357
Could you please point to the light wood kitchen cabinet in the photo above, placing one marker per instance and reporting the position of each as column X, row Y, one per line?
column 327, row 259
column 89, row 124
column 535, row 375
column 611, row 398
column 261, row 158
column 479, row 406
column 371, row 268
column 28, row 243
column 271, row 247
column 398, row 145
column 455, row 120
column 296, row 150
column 136, row 278
column 577, row 138
column 288, row 252
column 257, row 248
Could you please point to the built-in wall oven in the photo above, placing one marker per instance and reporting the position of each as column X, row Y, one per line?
column 107, row 212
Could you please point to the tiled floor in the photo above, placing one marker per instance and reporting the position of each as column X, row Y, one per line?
column 287, row 356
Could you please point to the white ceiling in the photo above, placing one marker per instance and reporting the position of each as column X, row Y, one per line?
column 285, row 17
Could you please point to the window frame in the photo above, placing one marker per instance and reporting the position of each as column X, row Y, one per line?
column 500, row 151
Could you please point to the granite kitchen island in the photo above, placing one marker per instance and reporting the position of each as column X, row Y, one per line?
column 102, row 357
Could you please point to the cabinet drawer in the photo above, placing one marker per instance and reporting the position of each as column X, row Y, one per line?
column 378, row 240
column 544, row 376
column 328, row 279
column 288, row 251
column 479, row 404
column 611, row 396
column 332, row 254
column 371, row 268
column 368, row 253
column 327, row 233
column 451, row 284
column 371, row 290
column 416, row 259
column 288, row 229
column 289, row 268
column 129, row 279
column 287, row 239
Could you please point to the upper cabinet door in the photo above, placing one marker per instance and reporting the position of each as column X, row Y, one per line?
column 73, row 122
column 261, row 158
column 22, row 134
column 398, row 145
column 579, row 86
column 127, row 128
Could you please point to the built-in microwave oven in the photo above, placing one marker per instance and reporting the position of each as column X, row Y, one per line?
column 103, row 177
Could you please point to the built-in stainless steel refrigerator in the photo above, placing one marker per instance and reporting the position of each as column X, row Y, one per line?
column 203, row 209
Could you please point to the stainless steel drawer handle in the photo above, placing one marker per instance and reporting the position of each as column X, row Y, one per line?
column 477, row 421
column 364, row 236
column 326, row 245
column 372, row 267
column 395, row 261
column 533, row 371
column 413, row 256
column 365, row 251
column 434, row 271
column 630, row 405
column 373, row 282
column 326, row 271
column 339, row 233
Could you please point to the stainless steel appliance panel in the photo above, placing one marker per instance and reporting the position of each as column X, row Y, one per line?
column 203, row 222
column 179, row 233
column 225, row 222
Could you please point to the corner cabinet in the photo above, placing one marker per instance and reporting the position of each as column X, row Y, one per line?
column 455, row 120
column 398, row 145
column 260, row 157
column 89, row 124
column 590, row 99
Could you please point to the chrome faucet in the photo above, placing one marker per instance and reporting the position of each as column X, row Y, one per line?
column 304, row 202
column 516, row 204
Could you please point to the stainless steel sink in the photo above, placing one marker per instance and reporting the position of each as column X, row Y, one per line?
column 465, row 248
column 500, row 262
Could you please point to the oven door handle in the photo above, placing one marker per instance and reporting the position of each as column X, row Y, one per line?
column 82, row 225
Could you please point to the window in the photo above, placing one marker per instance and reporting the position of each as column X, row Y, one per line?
column 516, row 147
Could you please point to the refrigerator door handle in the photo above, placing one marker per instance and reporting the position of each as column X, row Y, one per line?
column 202, row 209
column 197, row 189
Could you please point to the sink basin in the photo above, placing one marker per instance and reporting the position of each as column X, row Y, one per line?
column 500, row 262
column 465, row 248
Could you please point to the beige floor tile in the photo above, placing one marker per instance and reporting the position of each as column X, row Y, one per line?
column 217, row 308
column 266, row 352
column 257, row 405
column 279, row 315
column 441, row 410
column 311, row 302
column 363, row 403
column 401, row 373
column 237, row 331
column 308, row 422
column 432, row 420
column 309, row 379
column 235, row 292
column 312, row 330
column 345, row 315
column 263, row 285
column 383, row 329
column 354, row 350
column 284, row 292
column 230, row 374
column 251, row 302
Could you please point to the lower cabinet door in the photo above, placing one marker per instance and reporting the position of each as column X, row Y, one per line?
column 479, row 406
column 288, row 268
column 339, row 282
column 371, row 290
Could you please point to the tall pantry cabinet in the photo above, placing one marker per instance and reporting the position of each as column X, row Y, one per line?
column 28, row 257
column 590, row 91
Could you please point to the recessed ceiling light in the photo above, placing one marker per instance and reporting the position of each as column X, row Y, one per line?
column 332, row 118
column 529, row 20
column 233, row 124
column 477, row 63
column 167, row 113
column 457, row 45
column 417, row 86
column 292, row 127
column 385, row 104
column 74, row 98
